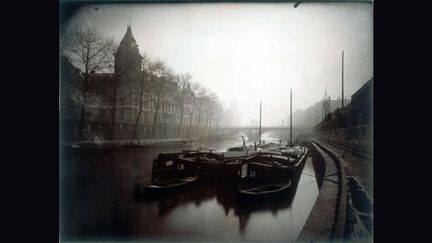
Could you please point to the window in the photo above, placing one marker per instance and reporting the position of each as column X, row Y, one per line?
column 244, row 170
column 180, row 166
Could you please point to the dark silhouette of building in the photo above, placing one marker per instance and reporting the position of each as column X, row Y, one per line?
column 127, row 57
column 353, row 125
column 326, row 104
column 127, row 68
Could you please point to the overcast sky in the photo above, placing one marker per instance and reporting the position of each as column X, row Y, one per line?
column 251, row 51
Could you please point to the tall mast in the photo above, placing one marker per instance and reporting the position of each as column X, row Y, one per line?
column 291, row 116
column 342, row 79
column 260, row 123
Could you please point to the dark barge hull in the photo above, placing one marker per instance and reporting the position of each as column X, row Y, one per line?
column 169, row 185
column 271, row 179
column 267, row 189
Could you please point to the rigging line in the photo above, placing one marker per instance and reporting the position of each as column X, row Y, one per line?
column 333, row 174
column 335, row 182
column 308, row 174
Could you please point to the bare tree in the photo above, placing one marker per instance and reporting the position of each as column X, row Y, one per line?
column 115, row 81
column 90, row 51
column 201, row 102
column 216, row 115
column 183, row 82
column 162, row 87
column 206, row 112
column 195, row 93
column 212, row 107
column 143, row 86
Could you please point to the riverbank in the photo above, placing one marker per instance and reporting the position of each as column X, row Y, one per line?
column 128, row 141
column 98, row 203
column 326, row 222
column 357, row 166
column 148, row 141
column 359, row 173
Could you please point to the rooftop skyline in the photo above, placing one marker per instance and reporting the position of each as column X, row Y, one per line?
column 251, row 52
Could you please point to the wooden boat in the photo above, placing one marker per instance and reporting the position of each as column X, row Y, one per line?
column 214, row 166
column 270, row 173
column 168, row 173
column 274, row 168
column 172, row 170
column 169, row 184
column 270, row 188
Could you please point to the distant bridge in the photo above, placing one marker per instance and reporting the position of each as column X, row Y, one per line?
column 252, row 133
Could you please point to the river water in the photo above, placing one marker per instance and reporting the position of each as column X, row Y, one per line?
column 97, row 203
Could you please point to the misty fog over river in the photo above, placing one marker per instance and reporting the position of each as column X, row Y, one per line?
column 98, row 203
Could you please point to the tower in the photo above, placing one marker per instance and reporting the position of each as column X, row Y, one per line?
column 127, row 57
column 343, row 80
column 127, row 68
column 291, row 116
column 326, row 107
column 260, row 123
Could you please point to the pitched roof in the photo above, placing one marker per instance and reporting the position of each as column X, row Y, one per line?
column 128, row 43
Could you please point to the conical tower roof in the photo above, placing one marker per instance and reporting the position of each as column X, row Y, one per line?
column 128, row 44
column 127, row 56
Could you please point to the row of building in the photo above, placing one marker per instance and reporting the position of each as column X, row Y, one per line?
column 351, row 125
column 98, row 107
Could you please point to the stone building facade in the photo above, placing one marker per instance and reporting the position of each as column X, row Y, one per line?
column 127, row 67
column 351, row 126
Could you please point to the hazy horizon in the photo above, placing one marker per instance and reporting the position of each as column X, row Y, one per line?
column 251, row 51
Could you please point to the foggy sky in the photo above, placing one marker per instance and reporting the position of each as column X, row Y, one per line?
column 251, row 51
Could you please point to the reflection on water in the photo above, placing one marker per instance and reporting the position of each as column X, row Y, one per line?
column 267, row 137
column 270, row 136
column 219, row 146
column 97, row 204
column 209, row 211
